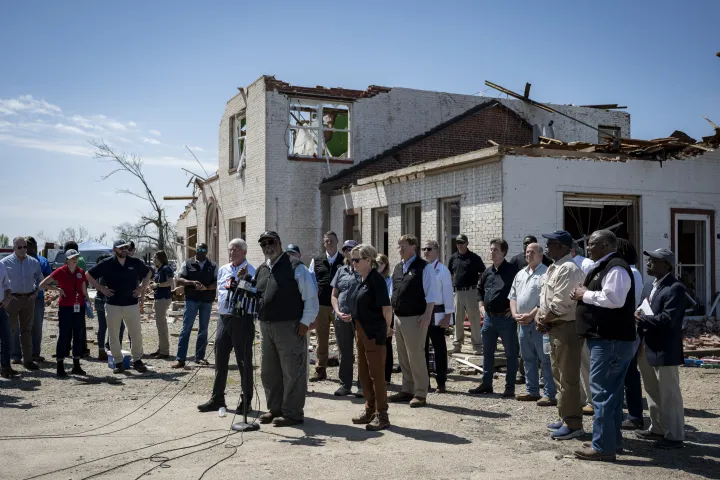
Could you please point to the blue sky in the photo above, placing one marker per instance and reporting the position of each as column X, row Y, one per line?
column 151, row 77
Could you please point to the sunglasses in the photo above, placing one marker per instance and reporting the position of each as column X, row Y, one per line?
column 202, row 250
column 427, row 249
column 267, row 243
column 22, row 247
column 356, row 260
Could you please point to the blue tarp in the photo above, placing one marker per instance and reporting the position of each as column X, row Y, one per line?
column 91, row 246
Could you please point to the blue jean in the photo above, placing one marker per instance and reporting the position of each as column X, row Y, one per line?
column 5, row 339
column 506, row 328
column 609, row 360
column 531, row 350
column 37, row 327
column 192, row 309
column 102, row 325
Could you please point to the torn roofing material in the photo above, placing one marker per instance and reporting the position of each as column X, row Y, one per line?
column 271, row 83
column 349, row 175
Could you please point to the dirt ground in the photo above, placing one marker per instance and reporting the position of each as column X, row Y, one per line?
column 94, row 423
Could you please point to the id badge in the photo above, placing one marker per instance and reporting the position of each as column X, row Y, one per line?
column 76, row 308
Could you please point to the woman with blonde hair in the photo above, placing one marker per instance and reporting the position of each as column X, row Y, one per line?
column 373, row 315
column 384, row 269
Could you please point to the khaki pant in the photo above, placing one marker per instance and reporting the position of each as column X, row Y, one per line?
column 161, row 307
column 131, row 314
column 323, row 321
column 665, row 403
column 410, row 339
column 21, row 312
column 371, row 369
column 466, row 302
column 585, row 395
column 565, row 352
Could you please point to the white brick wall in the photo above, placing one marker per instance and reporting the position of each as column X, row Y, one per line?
column 479, row 189
column 533, row 188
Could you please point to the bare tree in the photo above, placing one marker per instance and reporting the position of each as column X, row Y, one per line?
column 153, row 227
column 4, row 240
column 78, row 235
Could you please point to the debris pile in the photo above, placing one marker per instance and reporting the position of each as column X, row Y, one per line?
column 678, row 145
column 701, row 334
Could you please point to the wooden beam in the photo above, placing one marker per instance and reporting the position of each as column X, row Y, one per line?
column 527, row 90
column 180, row 197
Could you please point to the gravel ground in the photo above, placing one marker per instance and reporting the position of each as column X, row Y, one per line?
column 456, row 436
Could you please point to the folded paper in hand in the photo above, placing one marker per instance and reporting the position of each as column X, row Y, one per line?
column 645, row 308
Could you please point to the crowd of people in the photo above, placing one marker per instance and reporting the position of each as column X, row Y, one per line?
column 581, row 334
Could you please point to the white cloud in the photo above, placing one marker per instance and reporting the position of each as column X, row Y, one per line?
column 55, row 146
column 114, row 125
column 61, row 127
column 131, row 124
column 151, row 141
column 155, row 132
column 27, row 104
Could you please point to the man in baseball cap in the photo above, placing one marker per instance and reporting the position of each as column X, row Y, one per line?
column 293, row 250
column 661, row 351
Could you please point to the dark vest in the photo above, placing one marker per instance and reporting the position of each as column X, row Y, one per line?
column 280, row 299
column 408, row 297
column 607, row 323
column 205, row 275
column 324, row 273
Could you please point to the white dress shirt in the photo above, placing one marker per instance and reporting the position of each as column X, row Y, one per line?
column 444, row 289
column 615, row 287
column 637, row 276
column 584, row 263
column 4, row 281
column 656, row 282
column 224, row 273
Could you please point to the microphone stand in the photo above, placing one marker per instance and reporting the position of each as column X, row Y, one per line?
column 244, row 426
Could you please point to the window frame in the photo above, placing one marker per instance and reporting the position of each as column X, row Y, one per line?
column 417, row 230
column 381, row 231
column 445, row 234
column 238, row 142
column 241, row 225
column 319, row 105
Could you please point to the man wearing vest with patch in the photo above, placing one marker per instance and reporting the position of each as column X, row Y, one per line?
column 325, row 267
column 413, row 300
column 605, row 318
column 199, row 278
column 288, row 304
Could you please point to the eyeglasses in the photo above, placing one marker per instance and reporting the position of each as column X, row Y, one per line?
column 202, row 250
column 427, row 249
column 356, row 260
column 267, row 243
column 21, row 247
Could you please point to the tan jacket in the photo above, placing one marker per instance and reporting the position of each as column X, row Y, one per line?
column 560, row 280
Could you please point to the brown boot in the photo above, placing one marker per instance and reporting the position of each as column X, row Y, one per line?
column 178, row 364
column 320, row 374
column 380, row 421
column 365, row 417
column 400, row 397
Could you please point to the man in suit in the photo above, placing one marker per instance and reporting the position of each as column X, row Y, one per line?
column 661, row 351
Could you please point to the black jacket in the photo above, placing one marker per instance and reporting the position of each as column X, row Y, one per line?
column 662, row 332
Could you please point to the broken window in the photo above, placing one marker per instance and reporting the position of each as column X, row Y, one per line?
column 351, row 226
column 585, row 214
column 411, row 220
column 319, row 129
column 449, row 227
column 192, row 241
column 692, row 245
column 380, row 230
column 238, row 228
column 238, row 128
column 607, row 130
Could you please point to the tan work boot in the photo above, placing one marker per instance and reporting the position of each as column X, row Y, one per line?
column 365, row 417
column 320, row 374
column 380, row 421
column 588, row 410
column 417, row 402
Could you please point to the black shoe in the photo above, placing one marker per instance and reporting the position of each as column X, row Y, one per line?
column 212, row 405
column 481, row 389
column 61, row 370
column 285, row 422
column 77, row 369
column 648, row 435
column 119, row 368
column 139, row 366
column 31, row 366
column 631, row 425
column 665, row 444
column 508, row 393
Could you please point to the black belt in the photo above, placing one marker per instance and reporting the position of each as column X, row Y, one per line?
column 22, row 294
column 464, row 289
column 499, row 314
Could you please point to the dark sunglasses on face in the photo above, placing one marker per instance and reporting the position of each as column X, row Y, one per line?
column 267, row 243
column 427, row 249
column 21, row 247
column 202, row 250
column 356, row 260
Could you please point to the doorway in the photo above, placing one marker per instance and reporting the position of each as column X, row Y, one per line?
column 694, row 254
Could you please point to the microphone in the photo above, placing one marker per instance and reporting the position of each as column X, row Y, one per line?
column 244, row 296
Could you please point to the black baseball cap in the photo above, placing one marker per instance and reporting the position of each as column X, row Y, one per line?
column 462, row 238
column 561, row 236
column 663, row 254
column 269, row 234
column 293, row 248
column 121, row 243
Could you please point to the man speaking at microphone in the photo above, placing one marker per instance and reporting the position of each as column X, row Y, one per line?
column 233, row 332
